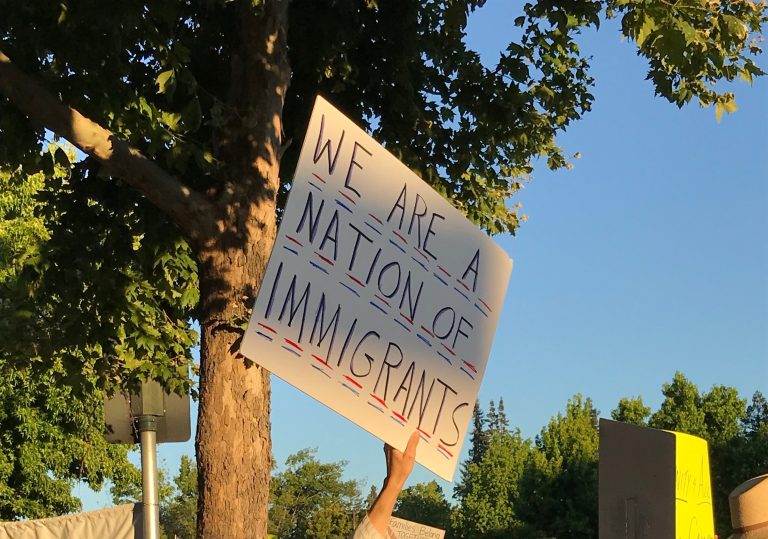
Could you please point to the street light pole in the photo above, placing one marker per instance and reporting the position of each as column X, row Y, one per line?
column 150, row 501
column 149, row 416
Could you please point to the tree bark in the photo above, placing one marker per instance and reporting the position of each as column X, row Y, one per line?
column 233, row 430
column 233, row 433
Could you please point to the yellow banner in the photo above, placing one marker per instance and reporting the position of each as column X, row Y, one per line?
column 693, row 491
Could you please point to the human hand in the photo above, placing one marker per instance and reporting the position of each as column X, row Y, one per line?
column 400, row 463
column 399, row 466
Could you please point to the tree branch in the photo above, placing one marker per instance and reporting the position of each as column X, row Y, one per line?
column 187, row 208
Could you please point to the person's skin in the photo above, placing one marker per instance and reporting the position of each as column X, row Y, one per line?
column 399, row 466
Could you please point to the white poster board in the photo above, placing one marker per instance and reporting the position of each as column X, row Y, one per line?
column 405, row 529
column 380, row 299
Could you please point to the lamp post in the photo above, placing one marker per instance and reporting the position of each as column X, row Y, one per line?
column 148, row 417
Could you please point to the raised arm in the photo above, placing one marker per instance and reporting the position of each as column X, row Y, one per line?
column 399, row 466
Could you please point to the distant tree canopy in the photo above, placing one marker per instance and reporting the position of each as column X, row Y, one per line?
column 189, row 117
column 514, row 489
column 424, row 503
column 720, row 416
column 310, row 499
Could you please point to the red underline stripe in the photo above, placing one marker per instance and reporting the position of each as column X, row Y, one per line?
column 381, row 299
column 399, row 236
column 409, row 320
column 318, row 177
column 353, row 381
column 424, row 433
column 401, row 418
column 468, row 364
column 321, row 360
column 296, row 346
column 267, row 328
column 484, row 303
column 451, row 351
column 464, row 285
column 347, row 197
column 325, row 259
column 444, row 449
column 427, row 332
column 294, row 240
column 376, row 218
column 380, row 400
column 358, row 281
column 441, row 268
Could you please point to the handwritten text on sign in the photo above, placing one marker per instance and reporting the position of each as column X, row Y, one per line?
column 380, row 299
column 405, row 529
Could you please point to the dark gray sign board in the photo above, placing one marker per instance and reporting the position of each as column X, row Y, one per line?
column 636, row 482
column 171, row 410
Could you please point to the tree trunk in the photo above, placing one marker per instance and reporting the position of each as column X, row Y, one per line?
column 233, row 434
column 233, row 431
column 233, row 442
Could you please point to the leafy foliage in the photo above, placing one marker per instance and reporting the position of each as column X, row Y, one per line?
column 693, row 45
column 51, row 435
column 310, row 499
column 490, row 490
column 178, row 515
column 754, row 455
column 21, row 232
column 559, row 488
column 550, row 488
column 50, row 438
column 717, row 416
column 424, row 503
column 478, row 438
column 125, row 286
column 632, row 410
column 681, row 408
column 111, row 292
column 756, row 418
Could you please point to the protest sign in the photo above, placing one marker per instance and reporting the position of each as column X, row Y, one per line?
column 653, row 484
column 405, row 529
column 693, row 493
column 380, row 299
column 636, row 482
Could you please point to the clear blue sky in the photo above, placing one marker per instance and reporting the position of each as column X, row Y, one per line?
column 650, row 257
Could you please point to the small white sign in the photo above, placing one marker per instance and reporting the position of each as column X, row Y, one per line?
column 405, row 529
column 380, row 299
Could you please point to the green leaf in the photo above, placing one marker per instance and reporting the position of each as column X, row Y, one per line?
column 166, row 81
column 645, row 30
column 745, row 75
column 735, row 27
column 171, row 119
column 687, row 30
